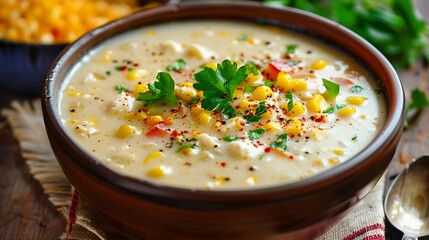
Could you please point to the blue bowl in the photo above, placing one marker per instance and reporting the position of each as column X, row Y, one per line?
column 23, row 66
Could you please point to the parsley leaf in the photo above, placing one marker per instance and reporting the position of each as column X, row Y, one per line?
column 219, row 86
column 332, row 89
column 290, row 104
column 230, row 138
column 249, row 88
column 356, row 89
column 261, row 109
column 334, row 108
column 290, row 49
column 256, row 134
column 269, row 83
column 178, row 65
column 251, row 68
column 185, row 146
column 120, row 89
column 354, row 138
column 419, row 100
column 243, row 37
column 280, row 142
column 161, row 90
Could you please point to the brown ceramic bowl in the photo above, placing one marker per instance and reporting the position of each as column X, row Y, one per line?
column 298, row 210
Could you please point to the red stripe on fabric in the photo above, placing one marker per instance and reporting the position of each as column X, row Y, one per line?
column 72, row 212
column 374, row 237
column 357, row 233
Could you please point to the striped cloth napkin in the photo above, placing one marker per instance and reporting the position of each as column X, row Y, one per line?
column 364, row 222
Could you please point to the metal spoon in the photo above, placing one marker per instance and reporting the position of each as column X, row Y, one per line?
column 407, row 201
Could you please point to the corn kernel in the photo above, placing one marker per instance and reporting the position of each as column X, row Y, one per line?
column 261, row 93
column 271, row 126
column 355, row 100
column 221, row 180
column 135, row 74
column 268, row 114
column 151, row 33
column 338, row 151
column 195, row 133
column 153, row 156
column 152, row 120
column 246, row 105
column 93, row 121
column 318, row 162
column 107, row 56
column 251, row 180
column 211, row 65
column 195, row 111
column 334, row 161
column 169, row 120
column 187, row 84
column 238, row 93
column 294, row 127
column 297, row 110
column 317, row 104
column 185, row 93
column 252, row 78
column 224, row 34
column 283, row 82
column 320, row 64
column 140, row 87
column 203, row 117
column 346, row 111
column 158, row 172
column 125, row 131
column 298, row 85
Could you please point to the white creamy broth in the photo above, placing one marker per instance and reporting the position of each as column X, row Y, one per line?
column 284, row 122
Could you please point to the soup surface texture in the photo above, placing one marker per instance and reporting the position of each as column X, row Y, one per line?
column 220, row 105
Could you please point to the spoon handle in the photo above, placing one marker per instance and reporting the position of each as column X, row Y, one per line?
column 409, row 238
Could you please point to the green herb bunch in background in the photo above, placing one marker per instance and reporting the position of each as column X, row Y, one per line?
column 393, row 26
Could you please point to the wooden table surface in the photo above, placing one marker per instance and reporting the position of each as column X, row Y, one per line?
column 26, row 213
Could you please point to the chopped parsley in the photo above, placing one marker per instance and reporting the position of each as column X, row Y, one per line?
column 256, row 134
column 290, row 104
column 178, row 65
column 332, row 89
column 261, row 109
column 280, row 142
column 184, row 147
column 120, row 89
column 290, row 49
column 162, row 90
column 230, row 138
column 269, row 83
column 249, row 88
column 356, row 89
column 334, row 108
column 108, row 73
column 243, row 37
column 251, row 68
column 354, row 138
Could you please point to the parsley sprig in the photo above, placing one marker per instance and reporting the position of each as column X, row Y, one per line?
column 162, row 90
column 219, row 86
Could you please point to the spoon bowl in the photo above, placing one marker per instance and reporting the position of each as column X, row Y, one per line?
column 407, row 200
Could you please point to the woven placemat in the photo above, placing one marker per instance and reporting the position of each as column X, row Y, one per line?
column 365, row 221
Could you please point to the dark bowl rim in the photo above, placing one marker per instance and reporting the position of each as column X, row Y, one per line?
column 142, row 188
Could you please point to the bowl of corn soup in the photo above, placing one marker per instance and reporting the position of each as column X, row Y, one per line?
column 33, row 33
column 210, row 120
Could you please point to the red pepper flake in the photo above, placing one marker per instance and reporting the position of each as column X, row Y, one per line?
column 291, row 156
column 267, row 149
column 223, row 164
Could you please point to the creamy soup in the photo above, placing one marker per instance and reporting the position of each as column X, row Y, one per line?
column 220, row 105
